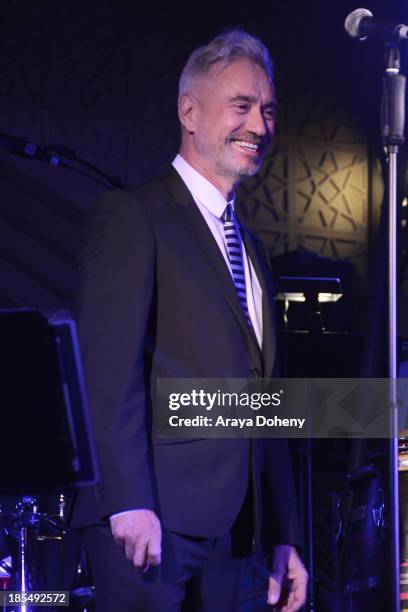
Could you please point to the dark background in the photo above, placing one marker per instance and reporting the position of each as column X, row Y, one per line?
column 101, row 77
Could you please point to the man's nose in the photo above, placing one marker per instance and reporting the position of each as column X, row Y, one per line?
column 257, row 124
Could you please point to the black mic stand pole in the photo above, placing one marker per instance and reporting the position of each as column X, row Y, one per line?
column 393, row 106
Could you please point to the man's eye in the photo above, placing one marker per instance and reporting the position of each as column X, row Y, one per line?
column 270, row 115
column 242, row 107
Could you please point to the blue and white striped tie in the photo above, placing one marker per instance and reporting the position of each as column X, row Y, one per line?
column 234, row 249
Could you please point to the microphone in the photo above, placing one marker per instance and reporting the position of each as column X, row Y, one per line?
column 361, row 23
column 29, row 150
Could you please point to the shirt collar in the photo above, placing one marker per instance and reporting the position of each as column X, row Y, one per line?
column 201, row 188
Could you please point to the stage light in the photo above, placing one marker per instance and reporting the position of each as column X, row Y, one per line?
column 309, row 288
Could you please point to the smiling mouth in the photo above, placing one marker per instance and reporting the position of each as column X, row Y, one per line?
column 248, row 146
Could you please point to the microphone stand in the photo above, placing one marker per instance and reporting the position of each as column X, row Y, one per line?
column 56, row 155
column 67, row 152
column 393, row 105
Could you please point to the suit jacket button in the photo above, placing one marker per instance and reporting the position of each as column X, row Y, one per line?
column 255, row 372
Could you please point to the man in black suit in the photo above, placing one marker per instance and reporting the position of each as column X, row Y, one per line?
column 160, row 296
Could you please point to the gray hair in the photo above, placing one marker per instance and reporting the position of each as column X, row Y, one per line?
column 227, row 47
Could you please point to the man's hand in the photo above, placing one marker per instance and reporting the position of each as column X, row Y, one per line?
column 139, row 532
column 287, row 580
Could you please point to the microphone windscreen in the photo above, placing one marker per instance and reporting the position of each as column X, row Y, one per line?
column 352, row 22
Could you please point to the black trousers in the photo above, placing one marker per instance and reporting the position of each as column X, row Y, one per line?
column 196, row 575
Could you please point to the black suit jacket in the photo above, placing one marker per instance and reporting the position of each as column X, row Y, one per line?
column 156, row 300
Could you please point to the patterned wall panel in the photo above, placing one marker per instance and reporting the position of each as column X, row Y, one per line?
column 312, row 191
column 22, row 120
column 318, row 112
column 25, row 53
column 90, row 76
column 105, row 141
column 92, row 69
column 331, row 189
column 102, row 79
column 266, row 195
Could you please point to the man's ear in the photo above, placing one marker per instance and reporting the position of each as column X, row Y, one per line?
column 187, row 111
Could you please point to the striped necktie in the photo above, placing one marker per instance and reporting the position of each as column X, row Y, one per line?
column 234, row 249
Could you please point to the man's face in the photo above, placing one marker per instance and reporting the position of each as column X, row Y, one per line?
column 234, row 120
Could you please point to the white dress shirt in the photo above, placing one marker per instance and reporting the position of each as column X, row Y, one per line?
column 211, row 204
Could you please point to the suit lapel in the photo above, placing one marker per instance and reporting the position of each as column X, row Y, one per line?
column 191, row 217
column 268, row 304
